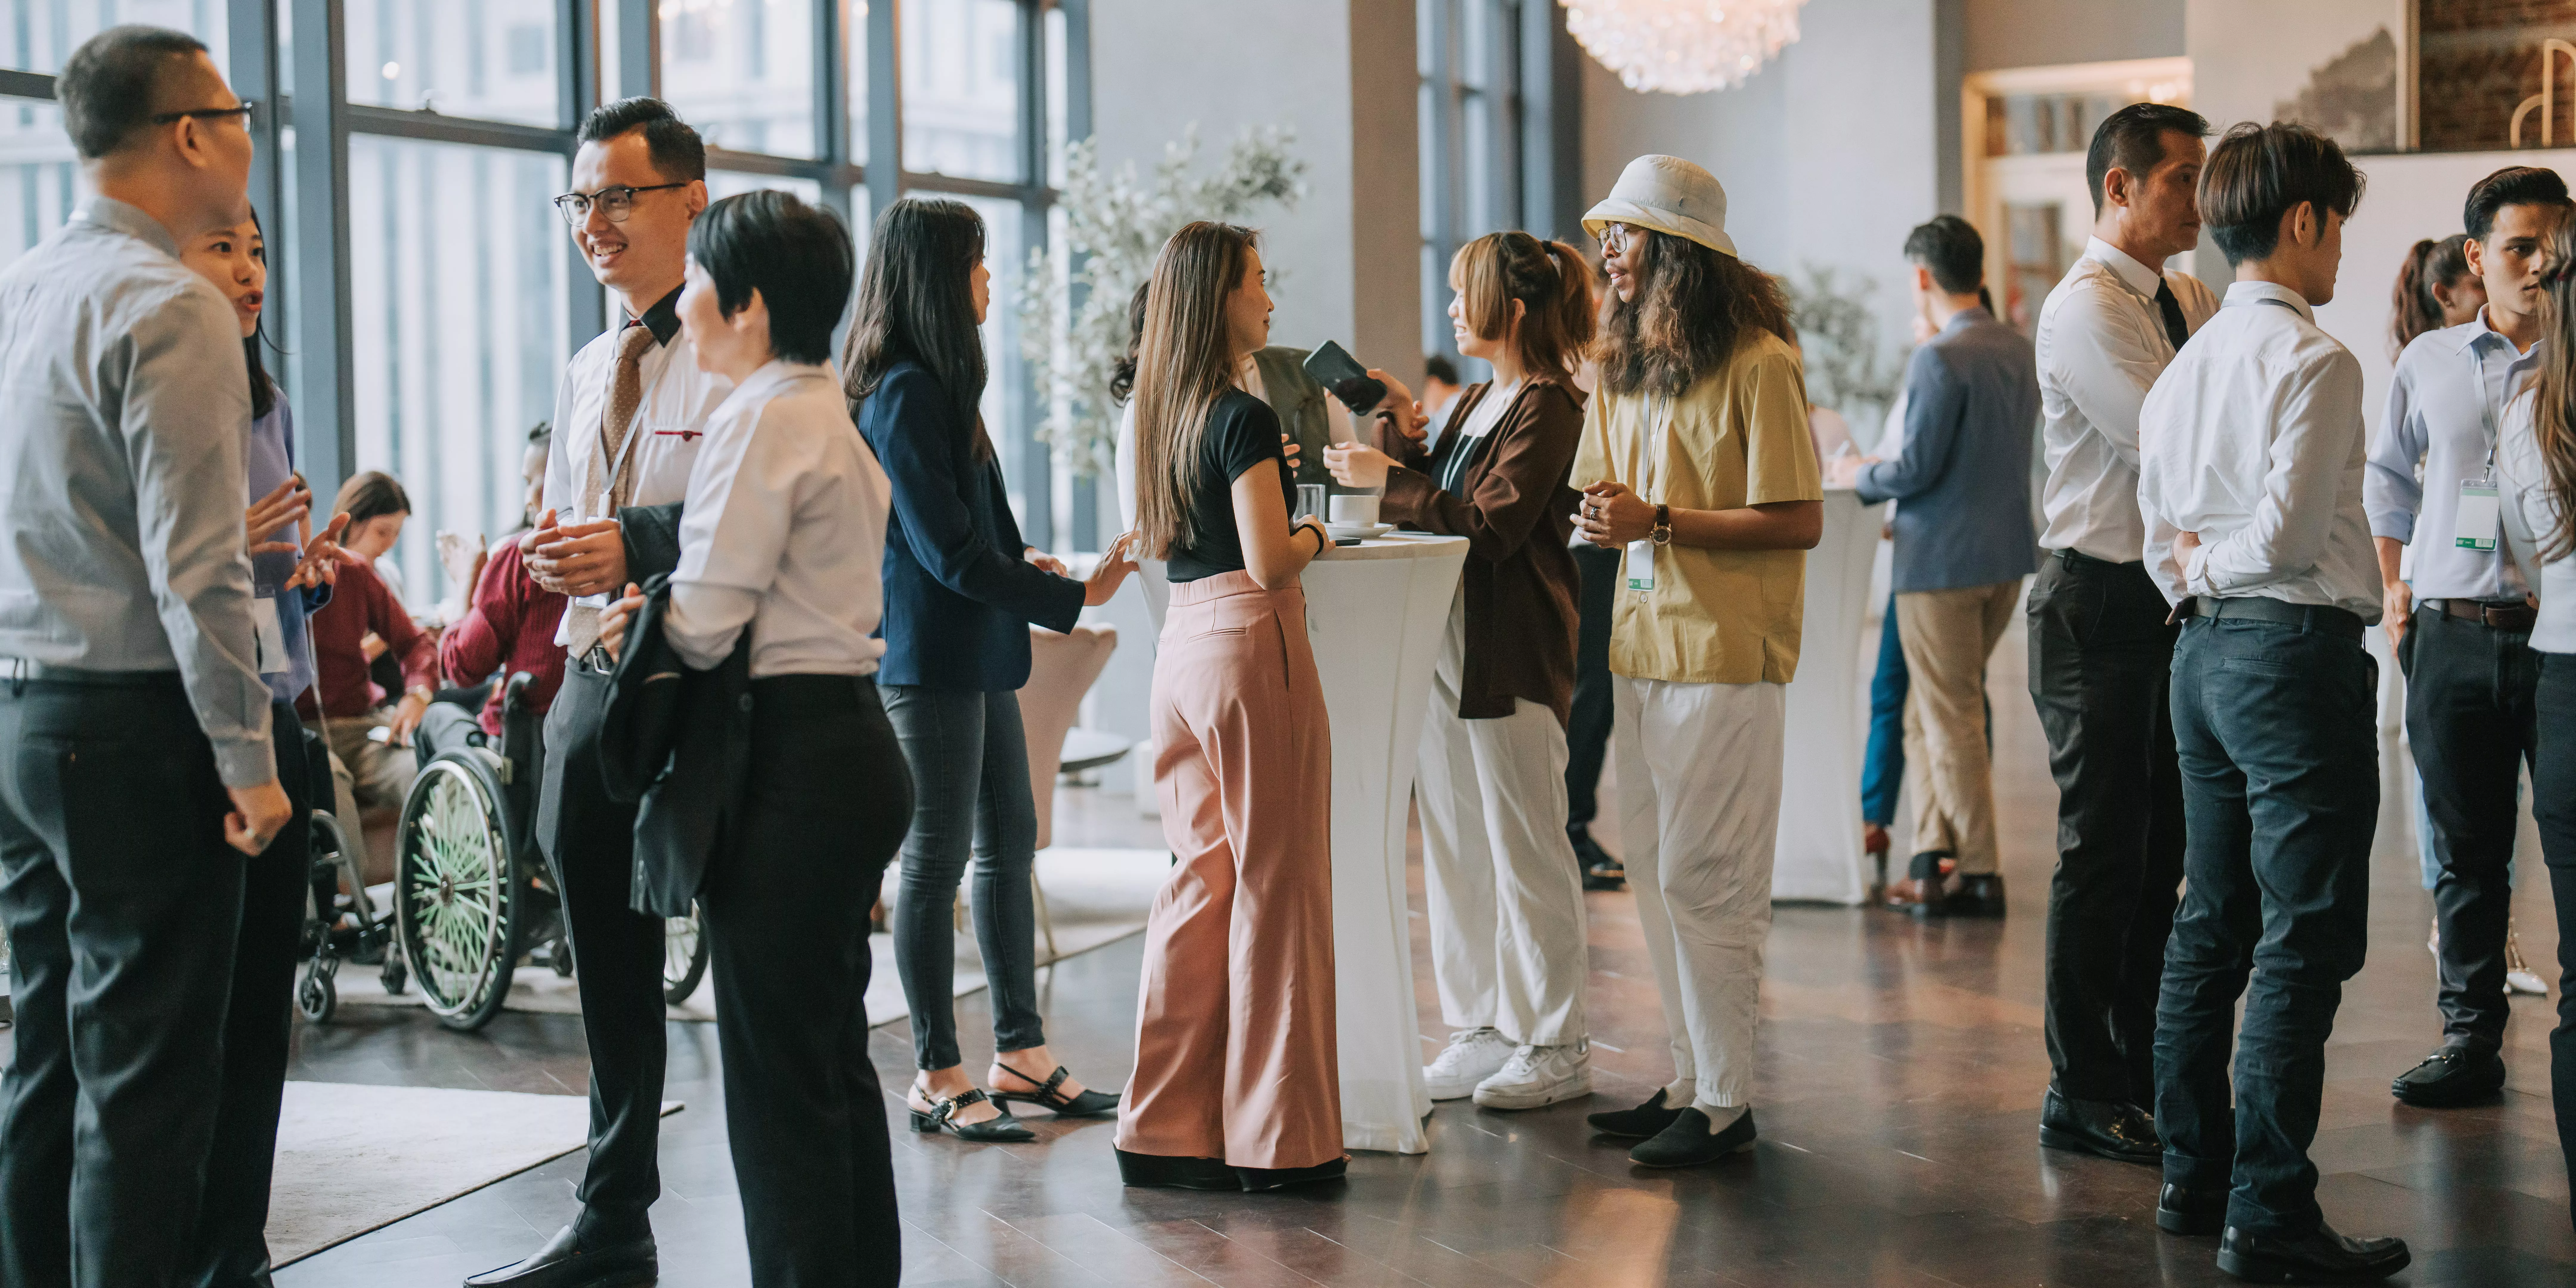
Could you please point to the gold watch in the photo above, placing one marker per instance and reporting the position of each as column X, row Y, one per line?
column 1663, row 525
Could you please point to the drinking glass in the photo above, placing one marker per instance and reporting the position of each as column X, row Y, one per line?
column 1310, row 502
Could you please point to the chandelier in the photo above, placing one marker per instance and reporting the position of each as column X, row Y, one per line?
column 1682, row 46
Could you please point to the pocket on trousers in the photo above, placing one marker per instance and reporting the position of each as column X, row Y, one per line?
column 128, row 811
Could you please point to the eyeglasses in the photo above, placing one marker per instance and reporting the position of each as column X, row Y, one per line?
column 615, row 202
column 242, row 109
column 1615, row 238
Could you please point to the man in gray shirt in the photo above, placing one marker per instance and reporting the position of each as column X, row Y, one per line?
column 135, row 767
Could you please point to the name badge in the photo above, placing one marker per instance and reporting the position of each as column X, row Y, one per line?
column 1641, row 564
column 2474, row 524
column 270, row 633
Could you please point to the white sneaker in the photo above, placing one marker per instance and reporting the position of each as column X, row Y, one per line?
column 1539, row 1075
column 1471, row 1057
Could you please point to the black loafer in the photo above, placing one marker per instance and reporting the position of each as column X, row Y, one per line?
column 1689, row 1143
column 1274, row 1178
column 1644, row 1122
column 2191, row 1209
column 2319, row 1256
column 1600, row 871
column 2103, row 1128
column 2453, row 1076
column 1970, row 896
column 1165, row 1171
column 565, row 1263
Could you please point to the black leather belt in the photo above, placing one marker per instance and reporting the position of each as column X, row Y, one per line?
column 2078, row 559
column 2337, row 622
column 2511, row 616
column 19, row 668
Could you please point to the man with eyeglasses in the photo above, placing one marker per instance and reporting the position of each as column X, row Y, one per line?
column 629, row 416
column 135, row 764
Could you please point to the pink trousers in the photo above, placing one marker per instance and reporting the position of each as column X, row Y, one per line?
column 1235, row 1053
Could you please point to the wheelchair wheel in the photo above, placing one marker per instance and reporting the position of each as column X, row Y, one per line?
column 684, row 955
column 317, row 995
column 456, row 893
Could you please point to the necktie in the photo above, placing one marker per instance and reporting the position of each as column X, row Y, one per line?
column 625, row 394
column 2166, row 304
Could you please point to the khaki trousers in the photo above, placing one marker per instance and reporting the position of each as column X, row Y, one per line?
column 1236, row 1056
column 1949, row 771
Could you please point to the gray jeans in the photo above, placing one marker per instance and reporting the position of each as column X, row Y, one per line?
column 970, row 774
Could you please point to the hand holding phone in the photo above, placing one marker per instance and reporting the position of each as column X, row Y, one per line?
column 1334, row 368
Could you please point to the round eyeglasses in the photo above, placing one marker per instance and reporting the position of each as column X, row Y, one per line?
column 616, row 202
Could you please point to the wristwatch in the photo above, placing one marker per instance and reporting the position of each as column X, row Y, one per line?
column 1663, row 525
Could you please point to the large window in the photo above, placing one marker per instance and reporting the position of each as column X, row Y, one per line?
column 1470, row 108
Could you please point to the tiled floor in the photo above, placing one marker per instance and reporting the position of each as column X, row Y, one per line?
column 1901, row 1072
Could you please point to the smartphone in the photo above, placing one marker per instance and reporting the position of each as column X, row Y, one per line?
column 1334, row 368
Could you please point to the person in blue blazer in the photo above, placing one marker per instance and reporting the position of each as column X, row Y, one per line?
column 961, row 591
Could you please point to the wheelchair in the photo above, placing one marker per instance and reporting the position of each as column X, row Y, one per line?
column 473, row 894
column 338, row 927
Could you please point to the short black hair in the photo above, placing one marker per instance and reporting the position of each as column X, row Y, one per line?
column 676, row 149
column 797, row 256
column 2258, row 173
column 1438, row 367
column 1951, row 248
column 107, row 85
column 2133, row 139
column 2514, row 185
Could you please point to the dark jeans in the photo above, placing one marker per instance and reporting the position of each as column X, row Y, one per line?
column 232, row 1239
column 2553, row 806
column 1587, row 730
column 2280, row 782
column 970, row 775
column 2101, row 662
column 787, row 934
column 617, row 955
column 2470, row 723
column 123, row 905
column 1882, row 766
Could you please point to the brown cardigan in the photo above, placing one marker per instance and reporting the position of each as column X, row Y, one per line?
column 1516, row 511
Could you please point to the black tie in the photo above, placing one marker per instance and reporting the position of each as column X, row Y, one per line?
column 2172, row 309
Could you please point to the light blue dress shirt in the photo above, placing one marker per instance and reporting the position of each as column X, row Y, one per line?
column 2445, row 406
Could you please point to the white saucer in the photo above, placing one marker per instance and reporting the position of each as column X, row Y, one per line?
column 1357, row 531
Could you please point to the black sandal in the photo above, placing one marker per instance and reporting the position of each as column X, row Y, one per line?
column 1004, row 1130
column 1090, row 1104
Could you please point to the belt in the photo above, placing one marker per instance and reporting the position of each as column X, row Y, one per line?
column 2337, row 622
column 2512, row 615
column 21, row 668
column 2078, row 559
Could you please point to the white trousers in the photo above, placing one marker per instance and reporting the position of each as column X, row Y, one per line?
column 1699, row 813
column 1508, row 949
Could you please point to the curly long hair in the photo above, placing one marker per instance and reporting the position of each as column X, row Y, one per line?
column 2553, row 413
column 1694, row 306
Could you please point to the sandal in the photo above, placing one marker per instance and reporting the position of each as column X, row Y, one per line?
column 1089, row 1104
column 1004, row 1130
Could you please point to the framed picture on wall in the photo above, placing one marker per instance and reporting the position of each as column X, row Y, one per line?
column 2342, row 67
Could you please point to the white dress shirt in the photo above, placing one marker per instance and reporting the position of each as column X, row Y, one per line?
column 2532, row 513
column 783, row 532
column 2252, row 438
column 2101, row 343
column 2445, row 408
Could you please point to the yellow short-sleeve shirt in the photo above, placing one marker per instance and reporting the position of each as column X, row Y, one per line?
column 1736, row 438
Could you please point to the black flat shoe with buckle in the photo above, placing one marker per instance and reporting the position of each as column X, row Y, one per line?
column 2453, row 1076
column 1088, row 1103
column 1003, row 1130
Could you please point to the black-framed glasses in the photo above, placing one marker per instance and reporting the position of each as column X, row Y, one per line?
column 616, row 202
column 242, row 109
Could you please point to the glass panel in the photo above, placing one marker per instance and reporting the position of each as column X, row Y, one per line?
column 854, row 43
column 961, row 88
column 457, row 287
column 1004, row 407
column 726, row 183
column 37, row 176
column 37, row 35
column 489, row 59
column 1059, row 85
column 742, row 72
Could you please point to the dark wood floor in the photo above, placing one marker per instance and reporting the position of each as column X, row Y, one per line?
column 1900, row 1078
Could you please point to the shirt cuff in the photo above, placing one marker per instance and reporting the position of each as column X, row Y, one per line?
column 247, row 761
column 2195, row 574
column 1405, row 495
column 2397, row 526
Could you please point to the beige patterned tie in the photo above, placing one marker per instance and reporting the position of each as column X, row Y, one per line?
column 625, row 394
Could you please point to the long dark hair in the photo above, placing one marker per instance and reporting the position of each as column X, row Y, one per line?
column 1695, row 306
column 263, row 391
column 2553, row 413
column 2429, row 264
column 916, row 301
column 1122, row 373
column 1184, row 365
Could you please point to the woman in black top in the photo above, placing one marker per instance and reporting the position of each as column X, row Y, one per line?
column 1236, row 1082
column 961, row 591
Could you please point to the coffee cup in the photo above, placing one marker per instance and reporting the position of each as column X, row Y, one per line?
column 1356, row 511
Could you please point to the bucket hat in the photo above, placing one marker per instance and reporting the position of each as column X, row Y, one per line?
column 1669, row 195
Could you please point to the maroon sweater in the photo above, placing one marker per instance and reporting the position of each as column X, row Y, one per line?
column 510, row 629
column 359, row 604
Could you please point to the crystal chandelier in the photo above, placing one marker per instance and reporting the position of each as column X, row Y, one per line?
column 1682, row 46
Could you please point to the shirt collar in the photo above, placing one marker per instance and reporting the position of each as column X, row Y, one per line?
column 1969, row 316
column 117, row 216
column 663, row 318
column 2476, row 329
column 2138, row 275
column 2244, row 294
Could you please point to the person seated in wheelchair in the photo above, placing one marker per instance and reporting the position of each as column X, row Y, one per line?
column 369, row 771
column 509, row 628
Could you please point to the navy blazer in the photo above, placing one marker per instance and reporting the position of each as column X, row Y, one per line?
column 960, row 592
column 1971, row 410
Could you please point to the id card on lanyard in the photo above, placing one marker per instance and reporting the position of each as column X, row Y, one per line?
column 599, row 498
column 2476, row 520
column 1640, row 563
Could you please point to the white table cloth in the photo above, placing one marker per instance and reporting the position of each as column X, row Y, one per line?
column 1375, row 613
column 1818, row 854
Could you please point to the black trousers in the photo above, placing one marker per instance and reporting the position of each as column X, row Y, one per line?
column 617, row 956
column 787, row 924
column 2101, row 662
column 2553, row 806
column 232, row 1238
column 2280, row 779
column 123, row 905
column 2470, row 723
column 1587, row 730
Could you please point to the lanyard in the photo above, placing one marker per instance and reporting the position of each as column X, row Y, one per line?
column 2486, row 411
